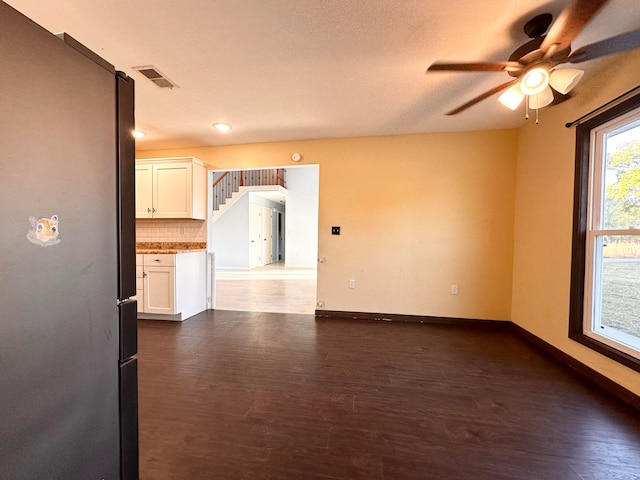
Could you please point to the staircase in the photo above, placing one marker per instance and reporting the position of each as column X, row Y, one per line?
column 229, row 186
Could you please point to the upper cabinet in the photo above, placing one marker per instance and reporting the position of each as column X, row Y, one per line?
column 171, row 188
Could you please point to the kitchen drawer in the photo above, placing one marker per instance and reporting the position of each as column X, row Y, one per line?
column 139, row 258
column 159, row 260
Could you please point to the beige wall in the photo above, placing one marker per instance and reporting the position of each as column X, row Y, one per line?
column 418, row 213
column 421, row 212
column 544, row 215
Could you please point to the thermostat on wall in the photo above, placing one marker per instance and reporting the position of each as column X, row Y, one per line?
column 296, row 157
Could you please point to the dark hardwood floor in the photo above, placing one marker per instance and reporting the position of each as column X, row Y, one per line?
column 241, row 395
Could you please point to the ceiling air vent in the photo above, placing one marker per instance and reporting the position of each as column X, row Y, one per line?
column 153, row 74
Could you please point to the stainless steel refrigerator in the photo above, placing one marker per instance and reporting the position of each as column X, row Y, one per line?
column 68, row 372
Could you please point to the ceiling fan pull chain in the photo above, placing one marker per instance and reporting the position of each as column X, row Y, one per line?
column 537, row 122
column 526, row 108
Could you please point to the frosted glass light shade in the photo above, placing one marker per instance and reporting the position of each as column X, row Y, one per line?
column 512, row 97
column 542, row 99
column 564, row 79
column 534, row 81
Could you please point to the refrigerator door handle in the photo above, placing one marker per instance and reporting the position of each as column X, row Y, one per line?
column 128, row 313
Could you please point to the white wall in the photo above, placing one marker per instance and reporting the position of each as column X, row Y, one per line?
column 230, row 233
column 230, row 236
column 301, row 235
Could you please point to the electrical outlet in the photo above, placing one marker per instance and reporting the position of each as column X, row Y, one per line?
column 454, row 289
column 352, row 283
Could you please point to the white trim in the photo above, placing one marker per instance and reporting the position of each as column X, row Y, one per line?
column 595, row 234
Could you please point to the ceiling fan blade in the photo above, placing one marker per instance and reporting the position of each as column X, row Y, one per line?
column 569, row 24
column 559, row 97
column 475, row 67
column 619, row 43
column 479, row 98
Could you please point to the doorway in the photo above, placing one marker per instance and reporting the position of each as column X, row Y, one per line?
column 279, row 274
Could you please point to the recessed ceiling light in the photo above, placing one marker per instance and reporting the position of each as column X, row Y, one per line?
column 223, row 127
column 138, row 134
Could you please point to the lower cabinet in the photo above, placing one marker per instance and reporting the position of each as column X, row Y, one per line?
column 159, row 284
column 160, row 290
column 174, row 286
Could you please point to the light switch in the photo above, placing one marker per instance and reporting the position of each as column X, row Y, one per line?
column 335, row 230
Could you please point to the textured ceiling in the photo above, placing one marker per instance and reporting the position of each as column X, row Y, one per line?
column 302, row 69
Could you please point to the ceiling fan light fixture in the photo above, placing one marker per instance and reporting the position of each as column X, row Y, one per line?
column 542, row 99
column 564, row 79
column 534, row 81
column 512, row 97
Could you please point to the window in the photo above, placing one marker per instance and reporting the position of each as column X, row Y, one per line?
column 605, row 277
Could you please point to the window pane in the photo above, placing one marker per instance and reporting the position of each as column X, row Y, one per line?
column 622, row 178
column 605, row 267
column 619, row 314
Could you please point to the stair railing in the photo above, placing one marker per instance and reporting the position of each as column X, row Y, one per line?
column 230, row 182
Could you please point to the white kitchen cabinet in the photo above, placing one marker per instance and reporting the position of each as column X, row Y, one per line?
column 171, row 188
column 174, row 285
column 159, row 291
column 159, row 284
column 144, row 190
column 139, row 282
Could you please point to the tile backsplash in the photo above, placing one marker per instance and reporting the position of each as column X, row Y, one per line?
column 171, row 230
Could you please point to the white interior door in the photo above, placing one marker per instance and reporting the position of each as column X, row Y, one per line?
column 255, row 229
column 267, row 235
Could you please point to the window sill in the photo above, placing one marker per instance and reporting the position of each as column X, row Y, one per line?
column 604, row 349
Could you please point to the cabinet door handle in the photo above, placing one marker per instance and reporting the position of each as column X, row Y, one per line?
column 144, row 274
column 148, row 210
column 154, row 210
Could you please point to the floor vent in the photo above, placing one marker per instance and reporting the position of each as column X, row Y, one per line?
column 153, row 74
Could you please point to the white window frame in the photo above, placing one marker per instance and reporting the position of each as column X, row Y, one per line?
column 595, row 236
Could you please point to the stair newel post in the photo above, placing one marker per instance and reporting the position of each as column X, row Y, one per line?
column 218, row 189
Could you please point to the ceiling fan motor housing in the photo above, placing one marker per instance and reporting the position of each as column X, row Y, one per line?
column 538, row 25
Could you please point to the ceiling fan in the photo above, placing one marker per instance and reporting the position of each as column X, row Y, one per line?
column 533, row 65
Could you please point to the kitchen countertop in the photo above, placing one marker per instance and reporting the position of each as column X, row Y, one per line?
column 170, row 247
